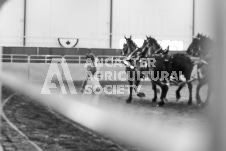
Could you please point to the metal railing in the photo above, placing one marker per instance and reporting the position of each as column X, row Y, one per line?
column 77, row 59
column 43, row 58
column 15, row 58
column 110, row 59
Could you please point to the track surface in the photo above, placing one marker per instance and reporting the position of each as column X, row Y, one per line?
column 52, row 132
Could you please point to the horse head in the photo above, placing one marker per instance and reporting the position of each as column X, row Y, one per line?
column 200, row 46
column 125, row 49
column 153, row 46
column 129, row 46
column 194, row 47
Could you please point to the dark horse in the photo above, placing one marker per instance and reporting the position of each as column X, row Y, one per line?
column 202, row 47
column 133, row 69
column 176, row 64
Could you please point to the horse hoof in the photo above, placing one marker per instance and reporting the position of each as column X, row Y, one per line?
column 129, row 100
column 189, row 102
column 206, row 103
column 178, row 97
column 200, row 105
column 198, row 100
column 141, row 95
column 154, row 100
column 160, row 104
column 165, row 100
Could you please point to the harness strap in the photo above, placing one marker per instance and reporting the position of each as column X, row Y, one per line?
column 158, row 50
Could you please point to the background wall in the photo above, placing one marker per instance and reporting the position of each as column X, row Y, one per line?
column 163, row 19
column 89, row 20
column 204, row 17
column 11, row 23
column 85, row 19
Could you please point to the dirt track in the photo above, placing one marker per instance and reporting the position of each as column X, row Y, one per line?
column 48, row 130
column 53, row 132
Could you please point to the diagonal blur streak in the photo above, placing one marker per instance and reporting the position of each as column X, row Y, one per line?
column 135, row 130
column 2, row 2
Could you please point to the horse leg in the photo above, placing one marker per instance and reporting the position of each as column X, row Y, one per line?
column 139, row 94
column 208, row 93
column 130, row 92
column 163, row 93
column 155, row 91
column 190, row 93
column 199, row 86
column 178, row 96
column 166, row 87
column 137, row 82
column 84, row 85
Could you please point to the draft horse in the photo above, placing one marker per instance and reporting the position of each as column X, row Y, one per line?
column 176, row 63
column 202, row 47
column 133, row 70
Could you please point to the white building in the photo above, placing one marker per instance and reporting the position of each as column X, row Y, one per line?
column 89, row 20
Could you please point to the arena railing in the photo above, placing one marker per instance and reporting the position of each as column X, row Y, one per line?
column 15, row 58
column 78, row 59
column 111, row 59
column 43, row 58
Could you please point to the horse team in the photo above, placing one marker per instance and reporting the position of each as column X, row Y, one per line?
column 179, row 63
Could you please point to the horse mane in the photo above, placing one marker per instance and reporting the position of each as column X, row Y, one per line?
column 156, row 43
column 133, row 43
column 205, row 42
column 207, row 39
column 144, row 43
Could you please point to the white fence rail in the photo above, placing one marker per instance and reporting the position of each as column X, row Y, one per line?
column 78, row 59
column 25, row 67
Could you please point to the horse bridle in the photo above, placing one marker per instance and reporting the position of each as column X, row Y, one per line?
column 152, row 47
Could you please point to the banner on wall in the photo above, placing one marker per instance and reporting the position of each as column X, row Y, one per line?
column 68, row 42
